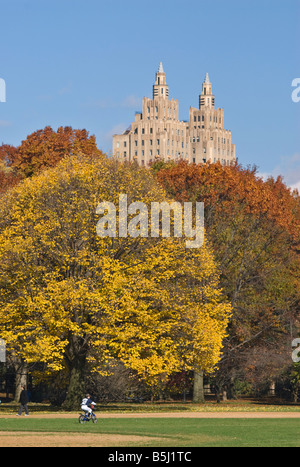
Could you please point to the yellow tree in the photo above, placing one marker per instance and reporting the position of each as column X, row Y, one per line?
column 69, row 296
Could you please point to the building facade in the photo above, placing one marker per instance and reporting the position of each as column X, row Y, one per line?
column 158, row 134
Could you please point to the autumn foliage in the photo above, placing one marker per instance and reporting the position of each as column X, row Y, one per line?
column 253, row 226
column 223, row 188
column 45, row 148
column 71, row 300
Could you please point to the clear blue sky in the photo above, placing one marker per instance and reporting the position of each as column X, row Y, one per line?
column 89, row 63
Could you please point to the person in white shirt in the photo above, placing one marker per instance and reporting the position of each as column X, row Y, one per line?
column 85, row 406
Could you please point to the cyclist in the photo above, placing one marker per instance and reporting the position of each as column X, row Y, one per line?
column 85, row 406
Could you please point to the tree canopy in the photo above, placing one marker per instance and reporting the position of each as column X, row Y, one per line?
column 70, row 298
column 45, row 148
column 253, row 227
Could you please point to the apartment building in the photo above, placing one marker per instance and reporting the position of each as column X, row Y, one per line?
column 158, row 134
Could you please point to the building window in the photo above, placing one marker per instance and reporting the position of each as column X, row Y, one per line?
column 135, row 142
column 125, row 144
column 157, row 142
column 151, row 131
column 204, row 150
column 143, row 131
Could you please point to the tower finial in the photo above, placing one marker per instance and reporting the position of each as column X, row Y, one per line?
column 207, row 79
column 161, row 68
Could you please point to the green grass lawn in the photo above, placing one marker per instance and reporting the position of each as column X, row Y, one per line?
column 176, row 432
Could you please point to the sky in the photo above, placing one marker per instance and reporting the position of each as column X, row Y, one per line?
column 89, row 63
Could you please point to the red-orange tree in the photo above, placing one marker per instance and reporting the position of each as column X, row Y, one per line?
column 8, row 177
column 253, row 226
column 45, row 148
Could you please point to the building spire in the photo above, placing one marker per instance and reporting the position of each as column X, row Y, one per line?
column 206, row 99
column 207, row 79
column 161, row 68
column 160, row 88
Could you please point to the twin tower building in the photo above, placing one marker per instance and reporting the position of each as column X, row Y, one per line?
column 158, row 134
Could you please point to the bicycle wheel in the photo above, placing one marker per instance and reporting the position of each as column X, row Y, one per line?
column 94, row 418
column 81, row 419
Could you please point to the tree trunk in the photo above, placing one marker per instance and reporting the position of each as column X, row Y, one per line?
column 21, row 369
column 76, row 389
column 295, row 393
column 198, row 393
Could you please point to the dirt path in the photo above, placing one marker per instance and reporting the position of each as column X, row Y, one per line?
column 36, row 439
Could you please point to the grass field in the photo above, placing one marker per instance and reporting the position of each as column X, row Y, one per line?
column 150, row 432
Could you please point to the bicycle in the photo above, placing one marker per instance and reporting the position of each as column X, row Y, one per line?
column 83, row 418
